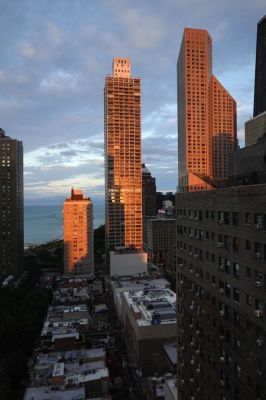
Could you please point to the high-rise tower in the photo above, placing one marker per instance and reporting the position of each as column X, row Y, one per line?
column 78, row 234
column 148, row 193
column 123, row 183
column 11, row 201
column 255, row 127
column 206, row 116
column 260, row 72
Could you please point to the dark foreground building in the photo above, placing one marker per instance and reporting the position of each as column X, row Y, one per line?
column 260, row 72
column 148, row 193
column 11, row 201
column 221, row 296
column 247, row 166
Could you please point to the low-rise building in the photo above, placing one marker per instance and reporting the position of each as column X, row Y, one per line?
column 150, row 322
column 133, row 284
column 127, row 262
column 71, row 369
column 161, row 240
column 160, row 387
column 46, row 392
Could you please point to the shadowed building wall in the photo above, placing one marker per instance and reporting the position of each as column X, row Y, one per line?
column 11, row 201
column 221, row 297
column 148, row 199
column 260, row 72
column 148, row 193
column 123, row 181
column 78, row 234
column 256, row 127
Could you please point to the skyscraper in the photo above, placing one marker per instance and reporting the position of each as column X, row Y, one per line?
column 11, row 201
column 260, row 72
column 255, row 127
column 221, row 298
column 206, row 116
column 148, row 193
column 123, row 183
column 78, row 234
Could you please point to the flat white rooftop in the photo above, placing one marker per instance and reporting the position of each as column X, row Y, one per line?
column 153, row 306
column 45, row 393
column 84, row 377
column 70, row 356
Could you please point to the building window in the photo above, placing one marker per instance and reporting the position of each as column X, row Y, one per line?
column 259, row 251
column 247, row 218
column 227, row 290
column 236, row 244
column 236, row 270
column 235, row 218
column 247, row 245
column 258, row 220
column 249, row 300
column 248, row 272
column 236, row 295
column 258, row 279
column 236, row 344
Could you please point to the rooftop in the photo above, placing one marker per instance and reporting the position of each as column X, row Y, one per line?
column 140, row 283
column 152, row 306
column 86, row 376
column 70, row 356
column 46, row 393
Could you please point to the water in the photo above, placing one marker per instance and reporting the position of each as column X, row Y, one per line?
column 45, row 223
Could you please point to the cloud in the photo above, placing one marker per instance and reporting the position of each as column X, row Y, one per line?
column 62, row 186
column 56, row 54
column 58, row 81
column 27, row 50
column 2, row 76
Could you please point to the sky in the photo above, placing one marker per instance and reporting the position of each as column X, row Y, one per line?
column 54, row 59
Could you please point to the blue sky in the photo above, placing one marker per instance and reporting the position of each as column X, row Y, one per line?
column 56, row 54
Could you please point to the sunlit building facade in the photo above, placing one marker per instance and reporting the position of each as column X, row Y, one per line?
column 123, row 180
column 11, row 210
column 206, row 116
column 78, row 234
